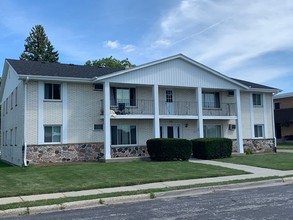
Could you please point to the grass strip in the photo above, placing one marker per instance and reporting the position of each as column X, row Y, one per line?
column 17, row 181
column 277, row 161
column 117, row 194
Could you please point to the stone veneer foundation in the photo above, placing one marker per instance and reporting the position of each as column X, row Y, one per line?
column 129, row 151
column 55, row 153
column 257, row 145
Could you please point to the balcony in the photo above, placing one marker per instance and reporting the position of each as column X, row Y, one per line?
column 183, row 108
column 221, row 109
column 132, row 107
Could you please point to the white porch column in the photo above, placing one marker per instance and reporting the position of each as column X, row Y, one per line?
column 239, row 122
column 251, row 115
column 40, row 113
column 65, row 115
column 156, row 111
column 265, row 115
column 199, row 112
column 107, row 122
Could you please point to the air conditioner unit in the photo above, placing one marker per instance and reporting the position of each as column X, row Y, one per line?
column 232, row 127
column 98, row 87
column 230, row 93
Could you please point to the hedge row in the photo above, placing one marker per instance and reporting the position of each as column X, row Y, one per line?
column 166, row 149
column 211, row 148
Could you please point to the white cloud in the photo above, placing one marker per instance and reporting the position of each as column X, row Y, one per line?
column 112, row 44
column 228, row 36
column 117, row 45
column 128, row 48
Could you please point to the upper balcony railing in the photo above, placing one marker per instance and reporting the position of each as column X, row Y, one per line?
column 146, row 107
column 219, row 109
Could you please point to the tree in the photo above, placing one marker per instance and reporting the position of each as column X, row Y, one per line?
column 38, row 47
column 110, row 62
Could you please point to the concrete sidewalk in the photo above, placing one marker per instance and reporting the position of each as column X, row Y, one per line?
column 255, row 172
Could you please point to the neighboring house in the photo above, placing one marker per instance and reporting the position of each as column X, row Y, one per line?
column 62, row 112
column 283, row 104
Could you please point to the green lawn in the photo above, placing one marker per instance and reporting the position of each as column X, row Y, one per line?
column 278, row 161
column 285, row 146
column 71, row 177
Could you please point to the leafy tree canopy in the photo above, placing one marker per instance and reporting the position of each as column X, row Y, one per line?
column 110, row 62
column 37, row 47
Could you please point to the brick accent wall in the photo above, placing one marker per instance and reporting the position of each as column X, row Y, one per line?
column 58, row 153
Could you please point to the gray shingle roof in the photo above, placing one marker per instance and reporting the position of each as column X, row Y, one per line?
column 253, row 85
column 38, row 68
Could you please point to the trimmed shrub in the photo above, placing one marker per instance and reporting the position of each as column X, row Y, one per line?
column 168, row 149
column 211, row 148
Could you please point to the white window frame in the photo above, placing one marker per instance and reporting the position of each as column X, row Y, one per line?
column 52, row 134
column 257, row 102
column 52, row 90
column 11, row 100
column 129, row 101
column 117, row 142
column 206, row 126
column 15, row 136
column 216, row 104
column 16, row 96
column 256, row 130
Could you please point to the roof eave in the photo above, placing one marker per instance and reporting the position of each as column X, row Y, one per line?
column 272, row 90
column 55, row 78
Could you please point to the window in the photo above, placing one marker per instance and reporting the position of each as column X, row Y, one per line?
column 16, row 96
column 212, row 131
column 257, row 99
column 11, row 100
column 123, row 134
column 3, row 108
column 6, row 106
column 10, row 140
column 277, row 105
column 98, row 126
column 52, row 91
column 211, row 100
column 52, row 134
column 15, row 136
column 123, row 95
column 6, row 136
column 258, row 131
column 169, row 96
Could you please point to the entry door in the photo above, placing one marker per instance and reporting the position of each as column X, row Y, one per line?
column 170, row 131
column 170, row 102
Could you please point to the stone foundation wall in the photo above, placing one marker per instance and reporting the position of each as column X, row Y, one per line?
column 57, row 153
column 256, row 145
column 129, row 151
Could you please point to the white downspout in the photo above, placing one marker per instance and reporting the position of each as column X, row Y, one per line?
column 24, row 129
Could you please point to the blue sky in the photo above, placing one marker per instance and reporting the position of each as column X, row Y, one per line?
column 250, row 40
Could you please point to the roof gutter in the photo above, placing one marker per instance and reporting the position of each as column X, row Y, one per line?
column 25, row 124
column 55, row 78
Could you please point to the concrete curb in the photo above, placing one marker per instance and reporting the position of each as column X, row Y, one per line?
column 288, row 179
column 141, row 197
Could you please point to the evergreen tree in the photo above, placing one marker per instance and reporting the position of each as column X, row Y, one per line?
column 38, row 47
